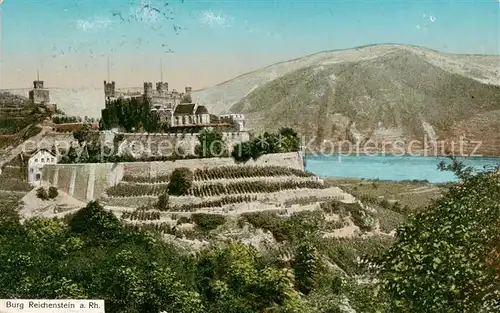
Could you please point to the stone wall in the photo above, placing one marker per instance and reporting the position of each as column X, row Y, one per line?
column 84, row 182
column 63, row 140
column 158, row 144
column 87, row 182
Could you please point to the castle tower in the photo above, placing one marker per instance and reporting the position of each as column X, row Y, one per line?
column 162, row 88
column 188, row 90
column 38, row 84
column 109, row 89
column 39, row 95
column 148, row 89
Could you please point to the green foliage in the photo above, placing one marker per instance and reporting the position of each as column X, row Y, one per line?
column 133, row 271
column 267, row 221
column 53, row 193
column 211, row 144
column 95, row 223
column 286, row 140
column 180, row 181
column 41, row 193
column 294, row 228
column 233, row 280
column 233, row 172
column 208, row 222
column 361, row 217
column 444, row 257
column 344, row 252
column 130, row 115
column 306, row 266
column 163, row 202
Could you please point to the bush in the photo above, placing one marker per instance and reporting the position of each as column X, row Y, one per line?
column 286, row 140
column 53, row 192
column 41, row 193
column 269, row 221
column 208, row 222
column 163, row 202
column 446, row 259
column 180, row 181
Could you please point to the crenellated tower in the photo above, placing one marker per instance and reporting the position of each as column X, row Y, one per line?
column 109, row 89
column 39, row 95
column 148, row 89
column 162, row 88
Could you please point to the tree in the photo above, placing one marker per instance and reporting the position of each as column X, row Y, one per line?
column 286, row 140
column 445, row 259
column 306, row 267
column 211, row 144
column 232, row 279
column 53, row 193
column 41, row 193
column 95, row 223
column 163, row 202
column 180, row 181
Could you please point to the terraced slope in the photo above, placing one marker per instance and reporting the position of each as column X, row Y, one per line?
column 218, row 185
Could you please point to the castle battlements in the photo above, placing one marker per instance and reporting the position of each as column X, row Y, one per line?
column 39, row 94
column 177, row 110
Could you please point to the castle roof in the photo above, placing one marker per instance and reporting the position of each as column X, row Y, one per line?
column 201, row 110
column 184, row 109
column 33, row 153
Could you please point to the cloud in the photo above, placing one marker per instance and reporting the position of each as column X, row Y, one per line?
column 215, row 20
column 93, row 23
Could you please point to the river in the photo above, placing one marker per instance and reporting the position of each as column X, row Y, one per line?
column 389, row 167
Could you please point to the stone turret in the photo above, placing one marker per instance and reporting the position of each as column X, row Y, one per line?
column 39, row 95
column 148, row 89
column 162, row 87
column 188, row 90
column 38, row 84
column 109, row 89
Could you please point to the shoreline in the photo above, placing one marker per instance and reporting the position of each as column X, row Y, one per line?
column 380, row 153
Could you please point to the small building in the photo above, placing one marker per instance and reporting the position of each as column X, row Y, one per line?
column 36, row 163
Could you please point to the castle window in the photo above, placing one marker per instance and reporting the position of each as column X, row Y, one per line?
column 43, row 160
column 36, row 160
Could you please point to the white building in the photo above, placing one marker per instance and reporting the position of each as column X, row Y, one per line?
column 36, row 162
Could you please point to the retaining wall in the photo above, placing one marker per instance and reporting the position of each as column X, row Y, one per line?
column 88, row 182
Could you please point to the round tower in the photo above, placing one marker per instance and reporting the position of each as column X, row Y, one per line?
column 148, row 89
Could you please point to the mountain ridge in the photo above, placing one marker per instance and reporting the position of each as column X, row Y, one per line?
column 221, row 97
column 381, row 92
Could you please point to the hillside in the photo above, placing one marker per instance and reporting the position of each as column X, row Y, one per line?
column 19, row 121
column 75, row 101
column 382, row 92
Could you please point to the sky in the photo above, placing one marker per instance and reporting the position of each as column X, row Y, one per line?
column 202, row 43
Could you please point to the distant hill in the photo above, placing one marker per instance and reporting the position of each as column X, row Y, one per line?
column 381, row 92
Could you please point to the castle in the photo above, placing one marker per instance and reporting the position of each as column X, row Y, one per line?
column 178, row 110
column 40, row 95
